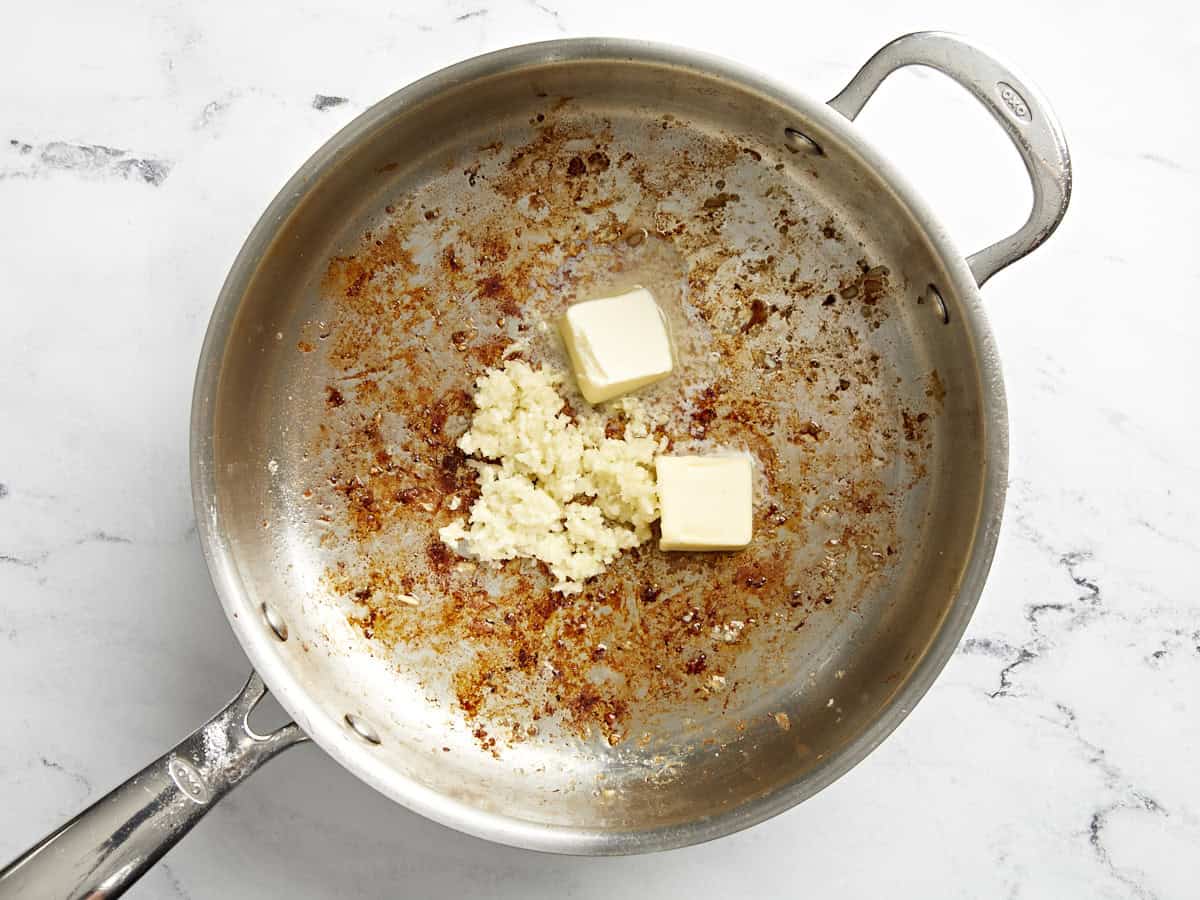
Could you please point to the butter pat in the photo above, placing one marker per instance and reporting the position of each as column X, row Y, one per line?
column 707, row 502
column 617, row 344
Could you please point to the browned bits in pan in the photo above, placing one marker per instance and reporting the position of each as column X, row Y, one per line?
column 936, row 388
column 758, row 314
column 719, row 201
column 773, row 340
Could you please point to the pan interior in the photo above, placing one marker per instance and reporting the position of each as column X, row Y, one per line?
column 675, row 687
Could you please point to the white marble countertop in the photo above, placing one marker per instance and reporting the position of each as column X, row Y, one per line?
column 1057, row 754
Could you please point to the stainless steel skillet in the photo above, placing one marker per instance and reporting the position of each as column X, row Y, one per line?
column 826, row 324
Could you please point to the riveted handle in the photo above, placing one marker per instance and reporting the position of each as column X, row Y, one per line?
column 107, row 847
column 1013, row 102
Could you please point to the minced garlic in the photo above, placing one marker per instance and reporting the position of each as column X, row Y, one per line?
column 551, row 488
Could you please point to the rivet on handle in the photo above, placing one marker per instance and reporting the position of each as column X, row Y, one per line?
column 939, row 305
column 363, row 729
column 799, row 142
column 274, row 621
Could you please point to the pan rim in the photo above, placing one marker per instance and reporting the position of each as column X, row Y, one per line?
column 357, row 756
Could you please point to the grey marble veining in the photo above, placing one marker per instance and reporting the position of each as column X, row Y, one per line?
column 84, row 159
column 1057, row 754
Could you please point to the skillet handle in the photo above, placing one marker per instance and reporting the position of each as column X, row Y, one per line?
column 1013, row 102
column 107, row 847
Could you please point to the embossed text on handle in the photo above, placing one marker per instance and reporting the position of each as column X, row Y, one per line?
column 189, row 780
column 1014, row 101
